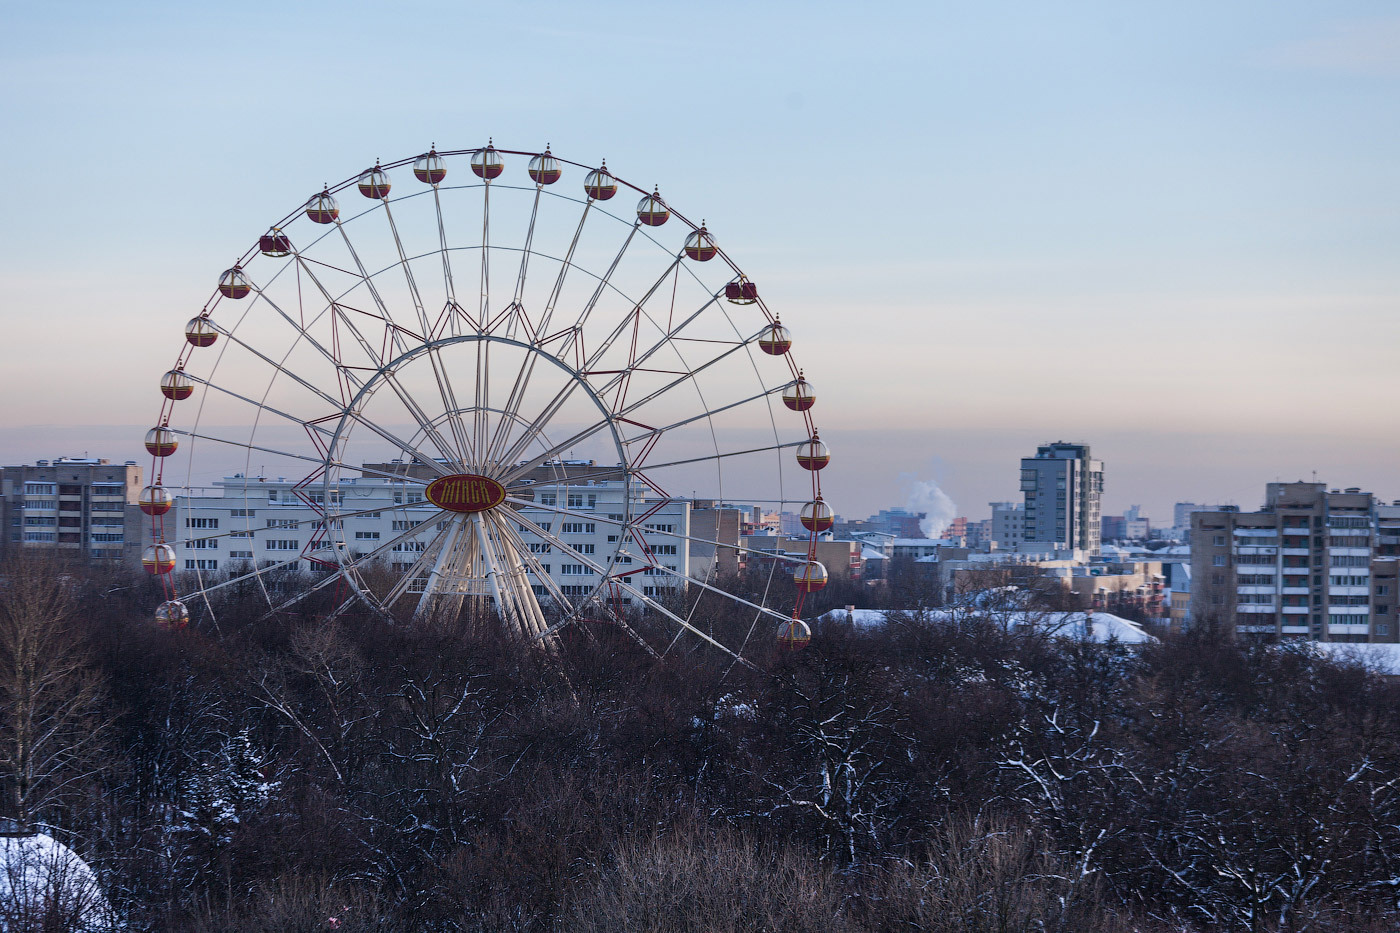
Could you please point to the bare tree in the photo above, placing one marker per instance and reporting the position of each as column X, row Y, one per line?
column 50, row 694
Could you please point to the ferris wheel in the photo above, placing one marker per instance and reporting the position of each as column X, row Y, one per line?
column 440, row 384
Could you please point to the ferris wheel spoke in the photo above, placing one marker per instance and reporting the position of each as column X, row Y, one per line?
column 412, row 283
column 669, row 335
column 492, row 573
column 484, row 314
column 483, row 392
column 319, row 461
column 395, row 335
column 714, row 589
column 444, row 383
column 623, row 583
column 379, row 550
column 337, row 311
column 282, row 369
column 348, row 373
column 606, row 280
column 551, row 450
column 313, row 426
column 536, row 427
column 566, row 264
column 446, row 263
column 261, row 406
column 425, row 424
column 379, row 363
column 256, row 572
column 291, row 601
column 518, row 299
column 527, row 365
column 689, row 376
column 661, row 431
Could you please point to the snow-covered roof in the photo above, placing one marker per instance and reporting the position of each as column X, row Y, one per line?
column 1381, row 658
column 36, row 870
column 871, row 554
column 1104, row 626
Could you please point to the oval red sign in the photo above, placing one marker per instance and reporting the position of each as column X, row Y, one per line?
column 465, row 492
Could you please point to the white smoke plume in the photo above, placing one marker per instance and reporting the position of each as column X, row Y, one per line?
column 926, row 496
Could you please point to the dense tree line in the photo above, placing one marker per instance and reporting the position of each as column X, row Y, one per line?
column 272, row 773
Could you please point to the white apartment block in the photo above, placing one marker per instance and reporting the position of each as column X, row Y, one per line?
column 246, row 522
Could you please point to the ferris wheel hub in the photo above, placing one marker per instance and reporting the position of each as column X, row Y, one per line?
column 465, row 492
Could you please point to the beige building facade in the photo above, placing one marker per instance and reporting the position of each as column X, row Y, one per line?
column 1310, row 564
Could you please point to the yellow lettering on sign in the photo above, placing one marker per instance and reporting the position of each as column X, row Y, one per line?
column 465, row 492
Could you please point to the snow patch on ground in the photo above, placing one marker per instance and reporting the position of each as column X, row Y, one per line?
column 1096, row 626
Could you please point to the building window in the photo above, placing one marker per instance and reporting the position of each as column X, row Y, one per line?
column 281, row 523
column 282, row 545
column 242, row 513
column 573, row 570
column 240, row 555
column 201, row 523
column 1218, row 560
column 1219, row 541
column 203, row 544
column 202, row 563
column 366, row 536
column 576, row 528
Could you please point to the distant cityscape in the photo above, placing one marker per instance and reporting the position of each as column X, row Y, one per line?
column 1312, row 562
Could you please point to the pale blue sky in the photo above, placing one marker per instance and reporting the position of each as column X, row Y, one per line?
column 1169, row 229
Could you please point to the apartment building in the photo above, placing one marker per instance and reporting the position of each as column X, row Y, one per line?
column 1008, row 524
column 257, row 521
column 1063, row 488
column 1312, row 563
column 86, row 506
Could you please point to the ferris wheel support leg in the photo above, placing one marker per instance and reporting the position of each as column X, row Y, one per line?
column 505, row 602
column 520, row 580
column 430, row 588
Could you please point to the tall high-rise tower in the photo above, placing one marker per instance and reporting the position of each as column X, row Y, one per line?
column 1063, row 486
